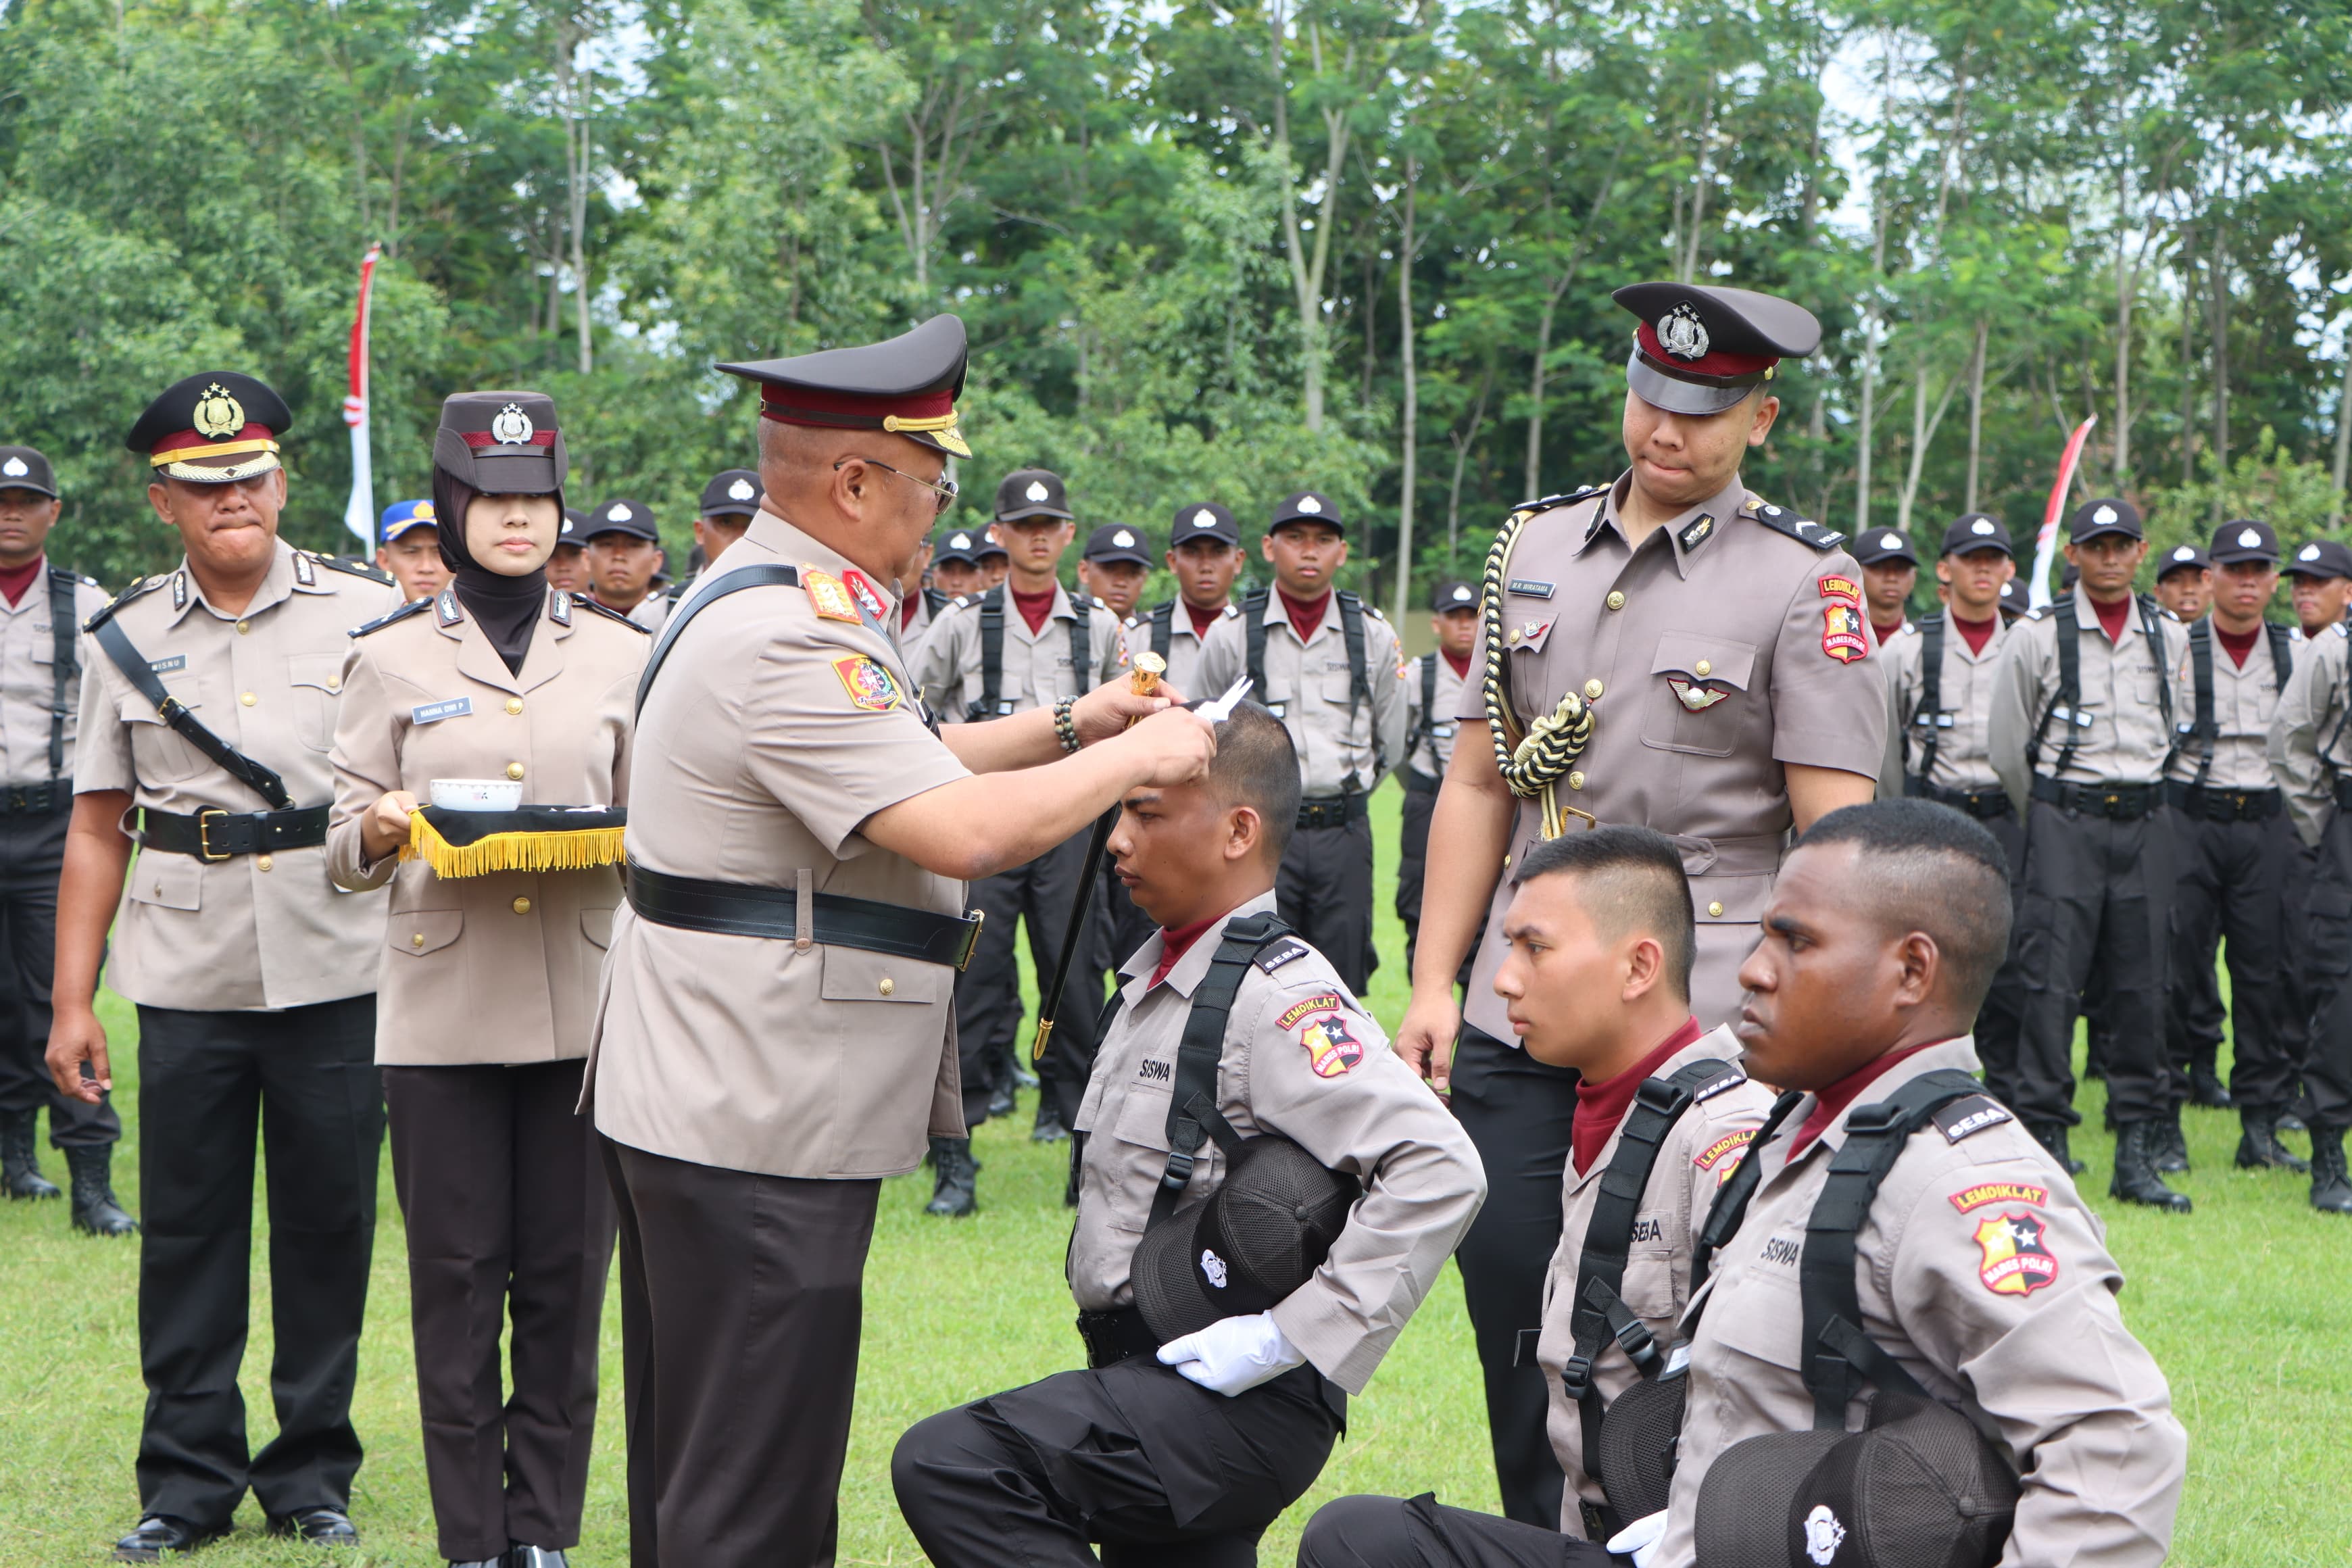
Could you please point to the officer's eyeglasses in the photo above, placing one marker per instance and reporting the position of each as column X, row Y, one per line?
column 943, row 491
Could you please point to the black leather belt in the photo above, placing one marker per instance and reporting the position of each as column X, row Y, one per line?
column 749, row 908
column 37, row 799
column 2123, row 802
column 2215, row 804
column 1333, row 810
column 215, row 835
column 1416, row 781
column 1116, row 1336
column 1984, row 805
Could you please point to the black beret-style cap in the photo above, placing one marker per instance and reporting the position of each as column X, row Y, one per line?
column 23, row 469
column 2322, row 558
column 1977, row 531
column 1115, row 541
column 2109, row 514
column 1701, row 348
column 1306, row 506
column 1451, row 595
column 1879, row 545
column 212, row 427
column 734, row 493
column 628, row 517
column 2244, row 539
column 907, row 386
column 1031, row 492
column 502, row 443
column 1203, row 520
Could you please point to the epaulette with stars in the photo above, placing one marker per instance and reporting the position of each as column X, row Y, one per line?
column 1803, row 530
column 140, row 586
column 372, row 573
column 413, row 606
column 610, row 614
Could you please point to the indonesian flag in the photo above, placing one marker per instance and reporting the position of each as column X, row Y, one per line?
column 2045, row 543
column 359, row 514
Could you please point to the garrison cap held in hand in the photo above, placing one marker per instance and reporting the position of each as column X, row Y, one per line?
column 1306, row 506
column 1031, row 492
column 907, row 386
column 629, row 517
column 2322, row 558
column 734, row 493
column 23, row 469
column 2183, row 558
column 1202, row 519
column 1115, row 541
column 2109, row 514
column 2246, row 540
column 1452, row 594
column 212, row 428
column 1701, row 348
column 1977, row 531
column 502, row 443
column 1877, row 546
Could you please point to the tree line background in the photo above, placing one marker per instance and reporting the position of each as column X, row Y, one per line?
column 1203, row 250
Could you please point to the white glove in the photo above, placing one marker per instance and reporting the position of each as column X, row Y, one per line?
column 1234, row 1355
column 1640, row 1538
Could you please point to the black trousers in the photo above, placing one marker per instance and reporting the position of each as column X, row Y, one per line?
column 2096, row 899
column 32, row 853
column 1158, row 1470
column 1517, row 1112
column 2232, row 890
column 988, row 992
column 1422, row 1532
column 1413, row 854
column 1324, row 890
column 2327, row 1073
column 2003, row 1014
column 306, row 1079
column 507, row 1212
column 741, row 1300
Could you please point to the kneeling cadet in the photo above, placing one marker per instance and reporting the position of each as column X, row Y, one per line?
column 1599, row 940
column 1266, row 1194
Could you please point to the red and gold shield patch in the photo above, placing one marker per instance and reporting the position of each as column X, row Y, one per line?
column 869, row 685
column 1332, row 1050
column 2016, row 1263
column 1842, row 634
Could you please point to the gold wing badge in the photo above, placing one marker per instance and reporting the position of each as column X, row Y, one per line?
column 1533, row 758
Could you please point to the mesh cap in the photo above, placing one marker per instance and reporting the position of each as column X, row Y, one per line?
column 1258, row 1237
column 1637, row 1446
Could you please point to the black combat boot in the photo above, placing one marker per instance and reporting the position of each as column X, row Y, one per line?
column 2205, row 1085
column 1048, row 1128
column 1000, row 1098
column 2168, row 1146
column 2051, row 1135
column 94, row 1208
column 2260, row 1148
column 1016, row 1069
column 2331, row 1190
column 20, row 1159
column 2136, row 1181
column 955, row 1179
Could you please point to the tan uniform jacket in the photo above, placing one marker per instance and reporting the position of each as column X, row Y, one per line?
column 28, row 687
column 2306, row 744
column 2244, row 702
column 2126, row 740
column 653, row 611
column 1733, row 649
column 1702, row 1149
column 772, row 733
column 910, row 635
column 1301, row 1058
column 501, row 967
column 1342, row 746
column 1037, row 670
column 1963, row 761
column 1183, row 644
column 1436, row 748
column 259, row 932
column 2043, row 1349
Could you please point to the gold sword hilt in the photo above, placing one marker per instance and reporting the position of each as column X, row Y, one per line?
column 1144, row 680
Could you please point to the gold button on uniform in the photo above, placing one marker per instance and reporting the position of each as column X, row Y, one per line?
column 522, row 906
column 1591, row 691
column 248, row 697
column 1514, row 637
column 514, row 704
column 242, row 628
column 263, row 861
column 1616, row 601
column 334, row 683
column 514, row 769
column 1576, row 781
column 886, row 986
column 1715, row 910
column 1703, row 668
column 417, row 940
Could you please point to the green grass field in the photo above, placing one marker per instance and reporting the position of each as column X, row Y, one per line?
column 2247, row 1304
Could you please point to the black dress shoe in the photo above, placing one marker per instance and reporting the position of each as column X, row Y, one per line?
column 316, row 1526
column 158, row 1533
column 522, row 1556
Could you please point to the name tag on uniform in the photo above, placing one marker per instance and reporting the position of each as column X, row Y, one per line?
column 1533, row 587
column 434, row 712
column 1442, row 731
column 1277, row 709
column 165, row 666
column 2074, row 716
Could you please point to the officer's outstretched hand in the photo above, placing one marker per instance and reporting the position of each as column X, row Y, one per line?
column 1424, row 1041
column 1109, row 709
column 76, row 1039
column 1234, row 1355
column 1171, row 748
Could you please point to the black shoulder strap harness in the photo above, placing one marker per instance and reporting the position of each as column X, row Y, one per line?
column 1600, row 1313
column 1427, row 720
column 934, row 601
column 1360, row 680
column 2066, row 706
column 65, row 660
column 2282, row 653
column 991, row 703
column 2204, row 729
column 732, row 581
column 1163, row 627
column 1082, row 642
column 1193, row 1114
column 1930, row 720
column 263, row 780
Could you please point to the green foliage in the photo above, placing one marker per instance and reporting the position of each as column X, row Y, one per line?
column 2266, row 484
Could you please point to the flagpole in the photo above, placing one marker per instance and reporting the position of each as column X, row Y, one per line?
column 359, row 513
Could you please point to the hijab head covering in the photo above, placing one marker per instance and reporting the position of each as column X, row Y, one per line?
column 495, row 443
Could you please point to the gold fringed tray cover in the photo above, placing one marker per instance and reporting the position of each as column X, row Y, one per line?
column 529, row 838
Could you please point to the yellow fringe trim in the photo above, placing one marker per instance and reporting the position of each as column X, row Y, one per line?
column 579, row 851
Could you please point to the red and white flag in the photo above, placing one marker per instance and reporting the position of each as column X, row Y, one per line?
column 2045, row 543
column 359, row 514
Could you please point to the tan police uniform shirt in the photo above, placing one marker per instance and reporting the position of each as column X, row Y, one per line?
column 1439, row 725
column 1303, row 1059
column 1723, row 649
column 2245, row 700
column 779, row 723
column 1697, row 1154
column 2126, row 738
column 1343, row 745
column 500, row 967
column 2306, row 744
column 1183, row 644
column 1982, row 1272
column 259, row 932
column 28, row 683
column 652, row 612
column 1963, row 758
column 1037, row 671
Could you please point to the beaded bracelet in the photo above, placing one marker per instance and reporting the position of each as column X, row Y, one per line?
column 1066, row 728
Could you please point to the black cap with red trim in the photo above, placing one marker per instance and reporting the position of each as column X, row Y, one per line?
column 211, row 428
column 907, row 386
column 1700, row 349
column 502, row 443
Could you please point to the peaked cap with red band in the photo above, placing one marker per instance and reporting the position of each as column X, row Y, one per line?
column 211, row 428
column 502, row 442
column 907, row 385
column 1700, row 349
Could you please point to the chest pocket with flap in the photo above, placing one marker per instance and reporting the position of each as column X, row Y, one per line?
column 853, row 975
column 1698, row 697
column 318, row 682
column 157, row 752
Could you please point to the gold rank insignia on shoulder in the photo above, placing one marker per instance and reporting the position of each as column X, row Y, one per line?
column 218, row 416
column 870, row 686
column 830, row 597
